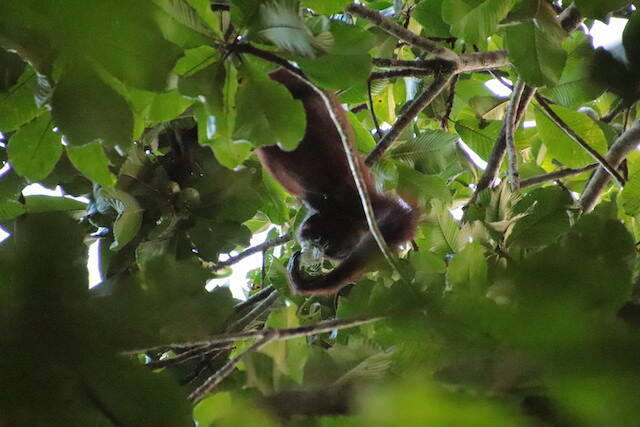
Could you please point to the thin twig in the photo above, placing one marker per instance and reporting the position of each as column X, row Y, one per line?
column 265, row 336
column 372, row 110
column 553, row 176
column 188, row 355
column 267, row 244
column 418, row 104
column 254, row 313
column 578, row 139
column 258, row 296
column 199, row 393
column 266, row 55
column 509, row 130
column 621, row 148
column 444, row 121
column 399, row 31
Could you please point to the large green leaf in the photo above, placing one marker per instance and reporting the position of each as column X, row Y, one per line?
column 546, row 217
column 475, row 20
column 575, row 88
column 563, row 148
column 429, row 14
column 35, row 149
column 599, row 9
column 91, row 160
column 87, row 109
column 118, row 36
column 17, row 102
column 467, row 271
column 326, row 7
column 347, row 63
column 281, row 24
column 40, row 203
column 480, row 140
column 536, row 53
column 268, row 114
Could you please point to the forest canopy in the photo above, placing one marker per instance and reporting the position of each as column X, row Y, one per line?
column 517, row 302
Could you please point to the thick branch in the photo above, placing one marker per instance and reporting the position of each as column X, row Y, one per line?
column 624, row 145
column 417, row 105
column 552, row 176
column 509, row 130
column 399, row 72
column 480, row 61
column 402, row 33
column 495, row 159
column 267, row 244
column 578, row 139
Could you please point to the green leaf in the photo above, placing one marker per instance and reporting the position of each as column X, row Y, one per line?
column 347, row 63
column 575, row 87
column 275, row 204
column 441, row 230
column 129, row 218
column 480, row 140
column 210, row 239
column 421, row 187
column 87, row 109
column 474, row 20
column 167, row 106
column 182, row 25
column 268, row 114
column 10, row 185
column 599, row 9
column 17, row 103
column 467, row 271
column 563, row 148
column 92, row 162
column 203, row 8
column 327, row 7
column 10, row 209
column 282, row 25
column 630, row 195
column 35, row 149
column 536, row 53
column 289, row 356
column 547, row 219
column 428, row 13
column 39, row 203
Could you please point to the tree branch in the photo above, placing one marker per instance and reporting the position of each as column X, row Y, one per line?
column 552, row 176
column 624, row 145
column 480, row 61
column 267, row 244
column 402, row 33
column 509, row 129
column 495, row 159
column 578, row 139
column 417, row 105
column 265, row 336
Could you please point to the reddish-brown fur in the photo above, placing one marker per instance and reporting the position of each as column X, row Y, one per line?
column 317, row 172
